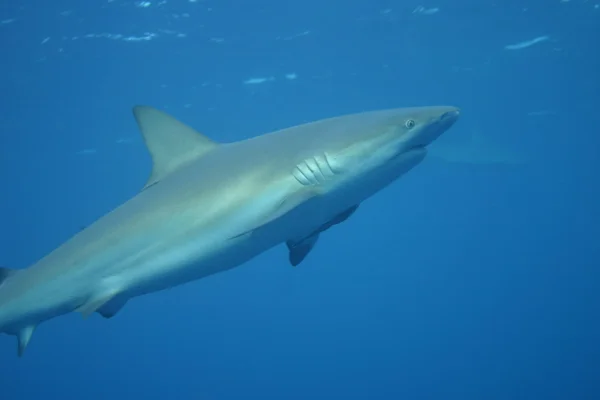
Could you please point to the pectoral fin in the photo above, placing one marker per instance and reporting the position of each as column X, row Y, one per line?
column 6, row 273
column 299, row 250
column 111, row 308
column 338, row 219
column 94, row 303
column 23, row 339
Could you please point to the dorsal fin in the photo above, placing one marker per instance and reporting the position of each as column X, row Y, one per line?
column 171, row 143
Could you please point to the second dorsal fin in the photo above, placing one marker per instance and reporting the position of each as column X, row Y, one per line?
column 171, row 143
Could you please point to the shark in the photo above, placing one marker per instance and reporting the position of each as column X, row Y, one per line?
column 209, row 207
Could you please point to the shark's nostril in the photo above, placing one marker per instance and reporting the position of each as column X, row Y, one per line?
column 450, row 115
column 448, row 118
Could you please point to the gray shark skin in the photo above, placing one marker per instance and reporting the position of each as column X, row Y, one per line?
column 210, row 207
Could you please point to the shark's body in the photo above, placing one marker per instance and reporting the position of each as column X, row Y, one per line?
column 210, row 207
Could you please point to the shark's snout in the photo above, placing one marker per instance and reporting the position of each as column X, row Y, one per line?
column 448, row 118
column 439, row 122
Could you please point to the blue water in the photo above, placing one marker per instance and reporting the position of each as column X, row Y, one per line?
column 470, row 278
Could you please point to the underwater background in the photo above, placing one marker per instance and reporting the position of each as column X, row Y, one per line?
column 475, row 276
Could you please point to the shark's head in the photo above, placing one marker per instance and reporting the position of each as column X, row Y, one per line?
column 392, row 140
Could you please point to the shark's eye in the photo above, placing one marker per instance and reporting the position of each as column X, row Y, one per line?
column 410, row 123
